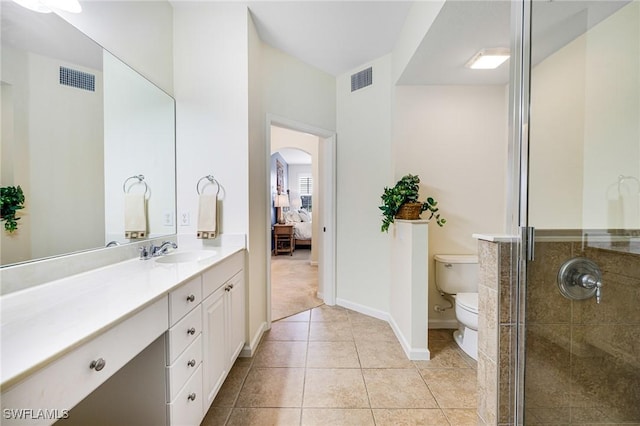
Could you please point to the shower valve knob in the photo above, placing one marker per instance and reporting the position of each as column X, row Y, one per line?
column 579, row 279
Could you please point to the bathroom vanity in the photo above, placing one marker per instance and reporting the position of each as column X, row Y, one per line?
column 139, row 342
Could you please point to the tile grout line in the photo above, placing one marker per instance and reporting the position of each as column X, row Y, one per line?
column 306, row 362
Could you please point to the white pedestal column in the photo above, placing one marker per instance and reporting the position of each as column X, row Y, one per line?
column 409, row 286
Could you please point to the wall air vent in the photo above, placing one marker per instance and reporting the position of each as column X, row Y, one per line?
column 77, row 79
column 362, row 79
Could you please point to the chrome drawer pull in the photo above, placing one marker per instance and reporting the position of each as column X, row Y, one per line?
column 191, row 298
column 192, row 396
column 97, row 364
column 192, row 363
column 191, row 331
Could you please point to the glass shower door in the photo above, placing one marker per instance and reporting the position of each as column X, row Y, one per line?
column 582, row 296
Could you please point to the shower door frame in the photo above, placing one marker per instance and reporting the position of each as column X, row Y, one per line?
column 519, row 95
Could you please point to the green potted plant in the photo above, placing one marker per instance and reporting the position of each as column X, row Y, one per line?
column 401, row 202
column 11, row 200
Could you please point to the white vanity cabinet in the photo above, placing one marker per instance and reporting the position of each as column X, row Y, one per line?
column 184, row 354
column 223, row 322
column 215, row 327
column 66, row 381
column 162, row 364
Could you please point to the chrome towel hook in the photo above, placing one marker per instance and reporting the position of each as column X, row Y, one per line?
column 140, row 179
column 211, row 180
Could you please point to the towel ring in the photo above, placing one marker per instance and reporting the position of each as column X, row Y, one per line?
column 211, row 179
column 140, row 179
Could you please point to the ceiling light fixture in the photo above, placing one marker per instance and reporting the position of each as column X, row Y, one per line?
column 46, row 6
column 488, row 59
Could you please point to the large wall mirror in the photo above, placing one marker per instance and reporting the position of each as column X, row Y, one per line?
column 77, row 125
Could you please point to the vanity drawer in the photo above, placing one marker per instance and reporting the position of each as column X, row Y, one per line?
column 68, row 380
column 186, row 408
column 183, row 368
column 184, row 299
column 185, row 332
column 215, row 277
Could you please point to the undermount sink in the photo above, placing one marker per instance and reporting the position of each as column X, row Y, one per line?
column 186, row 256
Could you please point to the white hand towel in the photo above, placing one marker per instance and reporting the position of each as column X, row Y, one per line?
column 207, row 216
column 135, row 216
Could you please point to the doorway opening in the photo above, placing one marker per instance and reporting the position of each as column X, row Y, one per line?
column 301, row 218
column 294, row 188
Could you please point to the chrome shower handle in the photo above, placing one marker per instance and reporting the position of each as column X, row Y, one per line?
column 579, row 279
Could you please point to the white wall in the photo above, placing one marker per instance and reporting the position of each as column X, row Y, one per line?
column 585, row 129
column 297, row 91
column 419, row 20
column 15, row 247
column 258, row 190
column 280, row 86
column 285, row 138
column 211, row 91
column 612, row 122
column 138, row 139
column 455, row 139
column 364, row 167
column 141, row 34
column 38, row 144
column 65, row 127
column 138, row 32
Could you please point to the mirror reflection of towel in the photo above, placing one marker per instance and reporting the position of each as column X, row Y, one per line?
column 207, row 216
column 135, row 217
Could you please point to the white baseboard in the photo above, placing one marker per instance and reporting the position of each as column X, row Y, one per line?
column 413, row 354
column 250, row 350
column 363, row 309
column 313, row 262
column 319, row 295
column 442, row 323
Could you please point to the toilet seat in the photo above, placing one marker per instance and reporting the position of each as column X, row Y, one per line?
column 468, row 301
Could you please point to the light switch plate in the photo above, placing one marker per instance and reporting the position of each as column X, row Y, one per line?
column 167, row 218
column 185, row 219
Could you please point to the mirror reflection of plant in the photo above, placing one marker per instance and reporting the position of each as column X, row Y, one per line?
column 406, row 191
column 11, row 200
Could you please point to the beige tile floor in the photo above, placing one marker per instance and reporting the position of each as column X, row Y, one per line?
column 333, row 366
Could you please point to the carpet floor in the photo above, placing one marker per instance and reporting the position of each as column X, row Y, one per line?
column 294, row 284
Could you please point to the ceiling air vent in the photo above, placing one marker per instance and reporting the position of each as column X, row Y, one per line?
column 77, row 79
column 362, row 79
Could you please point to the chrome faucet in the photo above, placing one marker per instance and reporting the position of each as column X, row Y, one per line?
column 162, row 248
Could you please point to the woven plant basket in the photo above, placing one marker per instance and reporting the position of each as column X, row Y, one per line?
column 409, row 211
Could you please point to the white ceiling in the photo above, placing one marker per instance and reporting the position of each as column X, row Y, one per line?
column 338, row 36
column 334, row 36
column 295, row 156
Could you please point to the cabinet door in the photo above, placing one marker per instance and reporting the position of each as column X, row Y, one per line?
column 214, row 344
column 236, row 317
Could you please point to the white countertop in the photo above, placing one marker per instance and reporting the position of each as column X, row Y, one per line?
column 42, row 323
column 496, row 238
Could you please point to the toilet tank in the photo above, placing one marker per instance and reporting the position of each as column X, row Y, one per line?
column 456, row 273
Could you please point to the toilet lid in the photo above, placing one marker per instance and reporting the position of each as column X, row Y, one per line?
column 468, row 301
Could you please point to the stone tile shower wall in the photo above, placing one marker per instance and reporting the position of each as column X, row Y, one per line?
column 583, row 359
column 496, row 328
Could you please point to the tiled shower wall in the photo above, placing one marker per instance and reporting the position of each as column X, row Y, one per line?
column 583, row 358
column 496, row 326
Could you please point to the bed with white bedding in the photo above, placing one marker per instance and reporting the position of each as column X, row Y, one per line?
column 301, row 221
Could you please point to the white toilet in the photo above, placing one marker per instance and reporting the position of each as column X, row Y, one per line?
column 457, row 275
